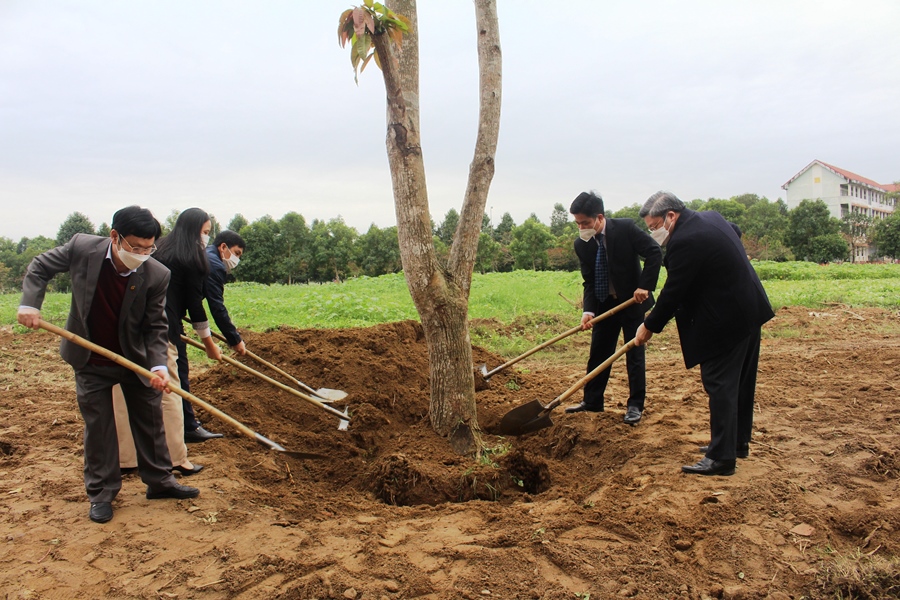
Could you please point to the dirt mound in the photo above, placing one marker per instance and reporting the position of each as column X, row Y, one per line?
column 587, row 506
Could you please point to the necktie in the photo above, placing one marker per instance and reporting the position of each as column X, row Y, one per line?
column 601, row 272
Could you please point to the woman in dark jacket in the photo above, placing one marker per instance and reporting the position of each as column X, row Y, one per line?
column 183, row 252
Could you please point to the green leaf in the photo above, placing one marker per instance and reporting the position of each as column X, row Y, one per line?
column 365, row 62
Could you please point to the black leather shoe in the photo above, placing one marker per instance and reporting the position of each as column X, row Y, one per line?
column 101, row 512
column 188, row 472
column 199, row 435
column 743, row 450
column 177, row 491
column 708, row 466
column 582, row 407
column 633, row 415
column 128, row 471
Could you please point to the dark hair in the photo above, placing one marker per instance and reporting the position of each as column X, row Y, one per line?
column 136, row 221
column 230, row 239
column 587, row 203
column 660, row 203
column 182, row 246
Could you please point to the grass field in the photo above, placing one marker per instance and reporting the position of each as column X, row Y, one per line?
column 505, row 297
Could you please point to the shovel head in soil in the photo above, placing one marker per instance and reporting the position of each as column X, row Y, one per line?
column 525, row 419
column 534, row 415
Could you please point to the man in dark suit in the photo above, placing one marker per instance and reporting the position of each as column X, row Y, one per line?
column 118, row 302
column 719, row 307
column 609, row 251
column 224, row 255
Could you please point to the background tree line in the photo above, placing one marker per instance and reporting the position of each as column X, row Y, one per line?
column 290, row 250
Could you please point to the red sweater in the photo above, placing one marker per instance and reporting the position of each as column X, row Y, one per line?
column 103, row 320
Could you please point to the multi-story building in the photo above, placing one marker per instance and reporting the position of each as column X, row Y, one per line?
column 844, row 193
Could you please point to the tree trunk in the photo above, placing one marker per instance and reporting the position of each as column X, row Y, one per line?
column 441, row 293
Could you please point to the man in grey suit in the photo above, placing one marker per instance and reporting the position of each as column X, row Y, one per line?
column 118, row 302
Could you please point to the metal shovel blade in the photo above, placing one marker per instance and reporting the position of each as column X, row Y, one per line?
column 343, row 423
column 328, row 395
column 525, row 419
column 484, row 370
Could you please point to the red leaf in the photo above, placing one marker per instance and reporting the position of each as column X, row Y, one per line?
column 359, row 21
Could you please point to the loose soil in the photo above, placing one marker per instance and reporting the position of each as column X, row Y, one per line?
column 588, row 508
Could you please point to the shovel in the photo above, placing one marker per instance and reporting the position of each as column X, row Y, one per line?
column 343, row 416
column 488, row 374
column 121, row 360
column 325, row 394
column 535, row 416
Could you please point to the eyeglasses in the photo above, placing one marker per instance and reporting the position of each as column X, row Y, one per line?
column 138, row 249
column 657, row 226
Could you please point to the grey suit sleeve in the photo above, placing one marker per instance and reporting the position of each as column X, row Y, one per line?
column 41, row 270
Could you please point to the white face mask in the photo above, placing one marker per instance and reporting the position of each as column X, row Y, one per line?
column 231, row 262
column 661, row 235
column 204, row 239
column 587, row 234
column 131, row 260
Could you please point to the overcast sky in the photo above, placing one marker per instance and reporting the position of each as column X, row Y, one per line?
column 250, row 107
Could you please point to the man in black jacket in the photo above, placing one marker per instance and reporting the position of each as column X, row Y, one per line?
column 719, row 307
column 609, row 251
column 223, row 255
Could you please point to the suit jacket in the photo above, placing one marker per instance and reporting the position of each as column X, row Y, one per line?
column 214, row 291
column 711, row 288
column 142, row 319
column 626, row 243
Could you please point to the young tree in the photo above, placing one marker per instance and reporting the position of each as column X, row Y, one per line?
column 260, row 264
column 827, row 248
column 855, row 231
column 732, row 211
column 74, row 223
column 294, row 248
column 331, row 250
column 237, row 223
column 558, row 219
column 810, row 219
column 440, row 292
column 886, row 236
column 488, row 253
column 503, row 231
column 378, row 251
column 447, row 229
column 530, row 243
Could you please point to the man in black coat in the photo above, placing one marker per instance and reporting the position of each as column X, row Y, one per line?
column 719, row 307
column 223, row 256
column 609, row 251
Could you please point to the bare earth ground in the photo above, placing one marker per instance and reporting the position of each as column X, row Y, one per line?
column 590, row 507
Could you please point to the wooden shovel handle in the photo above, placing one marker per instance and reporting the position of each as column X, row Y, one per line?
column 124, row 362
column 561, row 336
column 596, row 371
column 267, row 379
